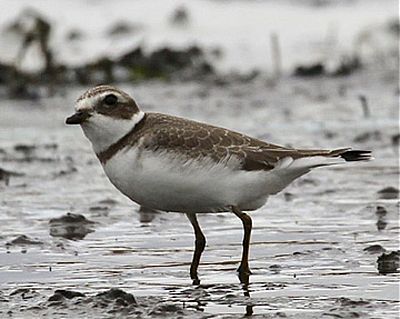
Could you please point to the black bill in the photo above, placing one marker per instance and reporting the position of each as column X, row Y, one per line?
column 77, row 118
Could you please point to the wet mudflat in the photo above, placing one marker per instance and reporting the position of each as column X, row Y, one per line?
column 72, row 246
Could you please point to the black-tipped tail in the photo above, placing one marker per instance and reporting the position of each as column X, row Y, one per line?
column 356, row 155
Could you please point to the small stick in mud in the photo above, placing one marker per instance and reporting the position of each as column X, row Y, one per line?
column 364, row 105
column 276, row 56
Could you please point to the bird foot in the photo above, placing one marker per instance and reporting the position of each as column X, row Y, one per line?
column 196, row 282
column 244, row 275
column 244, row 270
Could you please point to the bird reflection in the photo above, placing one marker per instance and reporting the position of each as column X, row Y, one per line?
column 244, row 279
column 381, row 213
column 146, row 215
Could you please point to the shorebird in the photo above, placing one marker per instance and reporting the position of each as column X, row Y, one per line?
column 174, row 164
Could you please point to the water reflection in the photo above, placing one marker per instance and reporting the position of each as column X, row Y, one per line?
column 244, row 279
column 147, row 215
column 381, row 213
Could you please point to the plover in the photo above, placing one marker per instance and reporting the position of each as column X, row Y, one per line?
column 174, row 164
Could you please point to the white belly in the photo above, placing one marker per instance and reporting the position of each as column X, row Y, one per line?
column 165, row 182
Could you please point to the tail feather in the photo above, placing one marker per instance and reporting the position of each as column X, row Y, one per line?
column 356, row 155
column 292, row 167
column 347, row 154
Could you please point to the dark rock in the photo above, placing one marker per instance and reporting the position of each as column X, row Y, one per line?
column 275, row 266
column 56, row 297
column 374, row 249
column 71, row 218
column 121, row 302
column 389, row 193
column 26, row 149
column 389, row 263
column 56, row 303
column 117, row 294
column 316, row 69
column 70, row 226
column 347, row 66
column 23, row 240
column 166, row 308
column 344, row 302
column 68, row 294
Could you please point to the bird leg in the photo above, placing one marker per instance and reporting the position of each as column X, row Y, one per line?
column 200, row 243
column 244, row 270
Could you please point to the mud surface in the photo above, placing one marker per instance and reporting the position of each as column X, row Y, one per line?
column 72, row 246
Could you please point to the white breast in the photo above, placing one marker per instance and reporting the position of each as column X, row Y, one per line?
column 167, row 182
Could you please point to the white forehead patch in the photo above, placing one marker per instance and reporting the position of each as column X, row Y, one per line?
column 86, row 104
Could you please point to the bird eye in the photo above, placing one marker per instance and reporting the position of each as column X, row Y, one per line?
column 110, row 100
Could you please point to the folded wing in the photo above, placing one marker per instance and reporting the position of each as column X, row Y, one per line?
column 197, row 140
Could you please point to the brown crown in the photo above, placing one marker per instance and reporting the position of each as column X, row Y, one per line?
column 124, row 109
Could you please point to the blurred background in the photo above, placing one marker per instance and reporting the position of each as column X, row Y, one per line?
column 310, row 73
column 75, row 42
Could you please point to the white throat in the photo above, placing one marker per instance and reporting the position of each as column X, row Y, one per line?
column 103, row 131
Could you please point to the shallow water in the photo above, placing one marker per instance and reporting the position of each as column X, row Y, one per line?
column 307, row 251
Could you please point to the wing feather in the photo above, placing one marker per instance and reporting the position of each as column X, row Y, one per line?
column 198, row 140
